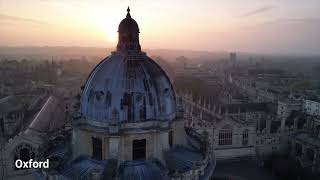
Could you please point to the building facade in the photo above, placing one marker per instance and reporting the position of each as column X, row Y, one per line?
column 130, row 123
column 311, row 107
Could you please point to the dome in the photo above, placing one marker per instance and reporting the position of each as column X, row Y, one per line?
column 128, row 89
column 127, row 86
column 128, row 25
column 128, row 32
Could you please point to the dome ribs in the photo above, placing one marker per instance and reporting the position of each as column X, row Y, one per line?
column 128, row 82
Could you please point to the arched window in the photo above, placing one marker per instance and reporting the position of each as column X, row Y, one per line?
column 300, row 124
column 139, row 149
column 245, row 137
column 225, row 135
column 1, row 126
column 24, row 152
column 96, row 148
column 170, row 139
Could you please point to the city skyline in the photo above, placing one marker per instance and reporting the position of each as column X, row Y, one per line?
column 130, row 110
column 285, row 27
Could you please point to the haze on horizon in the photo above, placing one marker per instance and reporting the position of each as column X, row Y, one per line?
column 259, row 26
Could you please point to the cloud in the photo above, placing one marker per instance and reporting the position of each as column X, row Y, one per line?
column 258, row 11
column 21, row 19
column 293, row 20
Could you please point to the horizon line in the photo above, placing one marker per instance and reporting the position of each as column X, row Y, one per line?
column 170, row 49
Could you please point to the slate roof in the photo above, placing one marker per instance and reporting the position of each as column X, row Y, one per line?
column 248, row 107
column 49, row 117
column 182, row 159
column 306, row 138
column 82, row 167
column 59, row 150
column 9, row 104
column 141, row 170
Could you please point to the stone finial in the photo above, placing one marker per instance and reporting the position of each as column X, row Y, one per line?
column 128, row 12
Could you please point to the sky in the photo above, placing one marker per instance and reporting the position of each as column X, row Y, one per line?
column 258, row 26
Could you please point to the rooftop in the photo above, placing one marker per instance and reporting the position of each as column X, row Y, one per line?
column 306, row 138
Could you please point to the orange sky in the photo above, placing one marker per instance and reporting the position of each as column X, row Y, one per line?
column 288, row 26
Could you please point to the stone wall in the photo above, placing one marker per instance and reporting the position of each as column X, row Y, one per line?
column 230, row 153
column 120, row 146
column 237, row 149
column 11, row 147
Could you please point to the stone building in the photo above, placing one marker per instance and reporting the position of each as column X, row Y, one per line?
column 231, row 128
column 246, row 129
column 311, row 107
column 305, row 146
column 20, row 71
column 12, row 112
column 33, row 132
column 130, row 124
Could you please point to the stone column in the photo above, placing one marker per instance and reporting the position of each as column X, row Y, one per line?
column 268, row 124
column 234, row 137
column 259, row 123
column 295, row 123
column 314, row 162
column 293, row 149
column 303, row 152
column 105, row 148
column 283, row 123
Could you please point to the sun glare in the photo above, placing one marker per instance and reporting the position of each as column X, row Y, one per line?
column 106, row 24
column 112, row 35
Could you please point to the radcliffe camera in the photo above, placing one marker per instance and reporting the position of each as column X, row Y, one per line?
column 159, row 90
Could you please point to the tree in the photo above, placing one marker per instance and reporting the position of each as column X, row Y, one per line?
column 300, row 86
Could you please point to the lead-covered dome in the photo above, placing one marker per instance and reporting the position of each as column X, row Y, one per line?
column 128, row 25
column 128, row 86
column 129, row 90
